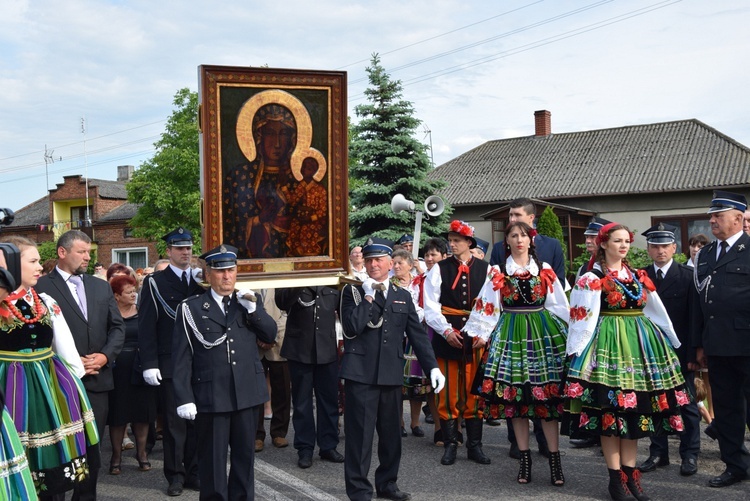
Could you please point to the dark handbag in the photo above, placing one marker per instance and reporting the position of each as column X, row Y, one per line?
column 136, row 376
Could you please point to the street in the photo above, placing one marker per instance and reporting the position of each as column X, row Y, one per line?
column 279, row 479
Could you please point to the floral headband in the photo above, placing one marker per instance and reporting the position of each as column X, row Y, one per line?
column 461, row 228
column 603, row 235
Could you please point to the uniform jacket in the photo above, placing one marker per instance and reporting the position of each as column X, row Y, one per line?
column 723, row 319
column 679, row 297
column 103, row 332
column 548, row 250
column 155, row 323
column 375, row 355
column 310, row 324
column 229, row 376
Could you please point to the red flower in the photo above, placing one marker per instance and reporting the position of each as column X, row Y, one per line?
column 608, row 420
column 577, row 313
column 553, row 390
column 575, row 390
column 614, row 298
column 676, row 423
column 510, row 411
column 682, row 398
column 487, row 386
column 538, row 393
column 541, row 411
column 479, row 305
column 584, row 420
column 608, row 285
column 629, row 400
column 489, row 309
column 509, row 393
column 662, row 401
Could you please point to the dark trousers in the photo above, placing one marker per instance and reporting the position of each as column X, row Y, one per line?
column 178, row 439
column 690, row 439
column 281, row 400
column 370, row 408
column 729, row 376
column 322, row 381
column 216, row 433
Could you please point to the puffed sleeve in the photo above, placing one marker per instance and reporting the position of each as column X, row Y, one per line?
column 488, row 306
column 556, row 301
column 657, row 313
column 62, row 339
column 585, row 303
column 432, row 312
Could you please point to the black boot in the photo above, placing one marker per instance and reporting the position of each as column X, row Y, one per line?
column 618, row 487
column 555, row 469
column 450, row 432
column 474, row 442
column 524, row 472
column 634, row 483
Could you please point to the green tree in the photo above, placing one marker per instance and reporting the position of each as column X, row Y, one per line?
column 167, row 186
column 386, row 159
column 548, row 225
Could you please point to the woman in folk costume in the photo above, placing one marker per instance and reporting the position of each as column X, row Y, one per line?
column 523, row 312
column 43, row 393
column 624, row 379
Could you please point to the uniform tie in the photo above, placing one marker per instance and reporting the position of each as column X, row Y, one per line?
column 659, row 277
column 80, row 293
column 723, row 251
column 226, row 300
column 184, row 280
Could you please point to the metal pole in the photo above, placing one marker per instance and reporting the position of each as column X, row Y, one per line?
column 417, row 234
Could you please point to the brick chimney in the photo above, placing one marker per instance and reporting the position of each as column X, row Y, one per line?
column 125, row 172
column 542, row 123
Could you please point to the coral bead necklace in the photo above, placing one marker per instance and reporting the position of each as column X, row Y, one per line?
column 37, row 306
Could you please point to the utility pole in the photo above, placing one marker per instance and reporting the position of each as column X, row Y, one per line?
column 48, row 159
column 428, row 132
column 86, row 163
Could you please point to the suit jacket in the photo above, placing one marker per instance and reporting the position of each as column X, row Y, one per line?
column 723, row 319
column 548, row 250
column 103, row 332
column 680, row 297
column 229, row 376
column 156, row 322
column 310, row 330
column 375, row 355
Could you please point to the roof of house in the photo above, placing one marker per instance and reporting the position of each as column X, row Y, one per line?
column 125, row 211
column 36, row 212
column 682, row 155
column 110, row 189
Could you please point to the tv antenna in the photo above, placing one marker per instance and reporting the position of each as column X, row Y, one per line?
column 49, row 159
column 428, row 132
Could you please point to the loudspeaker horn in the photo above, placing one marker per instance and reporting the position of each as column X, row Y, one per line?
column 400, row 203
column 434, row 206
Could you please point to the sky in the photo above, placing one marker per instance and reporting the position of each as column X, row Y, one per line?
column 473, row 70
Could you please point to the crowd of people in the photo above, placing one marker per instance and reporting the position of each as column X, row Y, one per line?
column 621, row 355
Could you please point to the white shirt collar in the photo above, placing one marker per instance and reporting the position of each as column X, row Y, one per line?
column 177, row 271
column 219, row 299
column 733, row 239
column 511, row 267
column 664, row 269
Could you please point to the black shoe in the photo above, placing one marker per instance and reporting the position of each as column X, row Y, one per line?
column 725, row 479
column 494, row 422
column 711, row 432
column 175, row 488
column 582, row 443
column 514, row 452
column 332, row 455
column 394, row 493
column 403, row 432
column 429, row 419
column 305, row 461
column 689, row 467
column 417, row 431
column 544, row 450
column 193, row 484
column 652, row 463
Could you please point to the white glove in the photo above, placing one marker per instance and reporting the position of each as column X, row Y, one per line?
column 152, row 376
column 367, row 287
column 437, row 379
column 250, row 306
column 187, row 411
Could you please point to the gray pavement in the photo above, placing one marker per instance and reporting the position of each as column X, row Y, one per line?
column 279, row 479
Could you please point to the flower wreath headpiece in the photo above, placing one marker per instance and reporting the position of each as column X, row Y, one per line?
column 461, row 228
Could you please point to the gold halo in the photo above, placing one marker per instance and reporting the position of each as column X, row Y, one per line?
column 304, row 130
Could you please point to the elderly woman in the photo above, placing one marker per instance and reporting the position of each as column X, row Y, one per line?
column 130, row 402
column 39, row 371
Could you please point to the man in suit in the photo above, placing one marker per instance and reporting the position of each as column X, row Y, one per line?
column 674, row 285
column 91, row 312
column 161, row 293
column 218, row 377
column 450, row 290
column 722, row 276
column 549, row 251
column 311, row 352
column 373, row 367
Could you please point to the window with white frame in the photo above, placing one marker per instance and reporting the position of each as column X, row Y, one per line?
column 136, row 257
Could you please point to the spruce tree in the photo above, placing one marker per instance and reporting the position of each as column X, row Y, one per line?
column 549, row 226
column 386, row 159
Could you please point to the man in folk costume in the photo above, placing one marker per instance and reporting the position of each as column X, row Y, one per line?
column 450, row 289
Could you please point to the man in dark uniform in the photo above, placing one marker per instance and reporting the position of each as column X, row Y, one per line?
column 91, row 312
column 310, row 348
column 161, row 293
column 722, row 276
column 218, row 376
column 450, row 289
column 373, row 367
column 674, row 285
